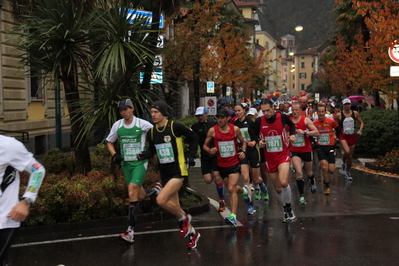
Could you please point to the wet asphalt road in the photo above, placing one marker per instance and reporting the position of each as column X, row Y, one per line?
column 358, row 224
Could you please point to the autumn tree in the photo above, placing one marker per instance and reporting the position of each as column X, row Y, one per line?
column 361, row 61
column 220, row 50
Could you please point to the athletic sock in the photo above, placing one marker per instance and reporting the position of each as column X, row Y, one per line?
column 280, row 198
column 220, row 190
column 287, row 194
column 133, row 212
column 262, row 187
column 301, row 184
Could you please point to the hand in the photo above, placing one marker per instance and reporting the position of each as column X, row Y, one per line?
column 142, row 156
column 20, row 211
column 191, row 162
column 117, row 158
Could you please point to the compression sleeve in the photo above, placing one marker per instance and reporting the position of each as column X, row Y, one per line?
column 37, row 172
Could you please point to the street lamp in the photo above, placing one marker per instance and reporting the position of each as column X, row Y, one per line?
column 299, row 28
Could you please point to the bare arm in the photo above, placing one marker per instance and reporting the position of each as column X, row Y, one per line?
column 359, row 119
column 313, row 132
column 209, row 137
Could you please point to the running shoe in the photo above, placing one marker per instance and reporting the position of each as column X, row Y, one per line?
column 222, row 206
column 252, row 186
column 285, row 217
column 313, row 187
column 193, row 239
column 257, row 194
column 266, row 195
column 291, row 217
column 251, row 210
column 302, row 200
column 245, row 195
column 343, row 169
column 184, row 226
column 231, row 220
column 348, row 176
column 327, row 191
column 128, row 236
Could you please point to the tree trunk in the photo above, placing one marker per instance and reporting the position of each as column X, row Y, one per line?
column 82, row 154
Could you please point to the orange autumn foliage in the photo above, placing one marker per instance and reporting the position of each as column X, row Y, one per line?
column 366, row 66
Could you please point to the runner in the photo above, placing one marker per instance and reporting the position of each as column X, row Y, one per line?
column 15, row 158
column 165, row 140
column 249, row 164
column 347, row 119
column 301, row 150
column 224, row 136
column 131, row 132
column 328, row 130
column 275, row 140
column 306, row 111
column 209, row 166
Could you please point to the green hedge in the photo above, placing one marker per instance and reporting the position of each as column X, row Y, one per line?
column 380, row 134
column 64, row 197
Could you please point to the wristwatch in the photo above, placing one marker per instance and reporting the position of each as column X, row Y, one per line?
column 28, row 200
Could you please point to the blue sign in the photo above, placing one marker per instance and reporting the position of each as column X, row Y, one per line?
column 134, row 13
column 156, row 76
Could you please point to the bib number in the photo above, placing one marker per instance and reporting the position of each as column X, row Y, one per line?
column 274, row 144
column 324, row 139
column 300, row 141
column 165, row 153
column 227, row 149
column 131, row 150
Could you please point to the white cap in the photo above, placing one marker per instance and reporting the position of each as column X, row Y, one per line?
column 201, row 111
column 346, row 101
column 252, row 111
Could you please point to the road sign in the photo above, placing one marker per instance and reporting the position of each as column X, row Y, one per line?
column 210, row 87
column 393, row 51
column 210, row 104
column 394, row 71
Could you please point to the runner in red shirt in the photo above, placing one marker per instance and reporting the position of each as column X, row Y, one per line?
column 328, row 130
column 275, row 140
column 225, row 147
column 301, row 150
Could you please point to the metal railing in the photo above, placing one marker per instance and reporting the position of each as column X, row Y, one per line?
column 13, row 133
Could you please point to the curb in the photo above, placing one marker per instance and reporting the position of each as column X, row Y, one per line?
column 99, row 224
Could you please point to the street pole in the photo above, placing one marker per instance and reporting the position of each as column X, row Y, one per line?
column 58, row 132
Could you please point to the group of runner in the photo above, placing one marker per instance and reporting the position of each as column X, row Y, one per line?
column 262, row 142
column 257, row 144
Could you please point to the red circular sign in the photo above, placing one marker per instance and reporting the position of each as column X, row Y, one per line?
column 211, row 102
column 393, row 51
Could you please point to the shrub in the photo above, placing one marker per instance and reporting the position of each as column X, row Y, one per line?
column 64, row 197
column 380, row 132
column 56, row 162
column 391, row 159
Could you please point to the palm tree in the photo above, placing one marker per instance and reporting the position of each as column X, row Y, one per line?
column 57, row 40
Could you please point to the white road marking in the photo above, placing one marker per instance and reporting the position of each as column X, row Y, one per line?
column 213, row 202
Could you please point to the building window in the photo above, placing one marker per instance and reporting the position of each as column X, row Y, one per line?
column 302, row 64
column 303, row 87
column 302, row 75
column 36, row 88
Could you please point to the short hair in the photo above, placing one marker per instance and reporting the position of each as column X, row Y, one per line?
column 267, row 101
column 322, row 105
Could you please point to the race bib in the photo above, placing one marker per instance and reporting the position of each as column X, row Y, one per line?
column 300, row 141
column 227, row 149
column 245, row 134
column 324, row 139
column 165, row 153
column 130, row 151
column 274, row 144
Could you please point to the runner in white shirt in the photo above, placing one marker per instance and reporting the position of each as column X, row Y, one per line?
column 15, row 158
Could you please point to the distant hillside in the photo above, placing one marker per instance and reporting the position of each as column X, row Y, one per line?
column 316, row 17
